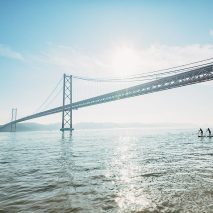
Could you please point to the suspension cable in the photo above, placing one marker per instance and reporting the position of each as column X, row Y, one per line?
column 54, row 97
column 49, row 96
column 149, row 75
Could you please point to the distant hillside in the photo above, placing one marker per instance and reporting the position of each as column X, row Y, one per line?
column 51, row 127
column 33, row 127
column 90, row 125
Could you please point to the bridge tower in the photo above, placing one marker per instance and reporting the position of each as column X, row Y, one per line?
column 13, row 120
column 67, row 99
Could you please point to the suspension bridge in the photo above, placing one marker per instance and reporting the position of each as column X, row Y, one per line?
column 146, row 83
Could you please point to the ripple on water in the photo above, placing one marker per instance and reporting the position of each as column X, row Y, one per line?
column 126, row 170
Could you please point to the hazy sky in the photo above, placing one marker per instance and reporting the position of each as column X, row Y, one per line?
column 41, row 40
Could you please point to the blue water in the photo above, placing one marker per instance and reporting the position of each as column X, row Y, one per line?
column 114, row 170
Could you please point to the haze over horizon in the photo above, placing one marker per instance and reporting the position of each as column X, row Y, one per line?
column 41, row 40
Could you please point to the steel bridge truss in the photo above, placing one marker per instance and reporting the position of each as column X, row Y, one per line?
column 13, row 120
column 67, row 99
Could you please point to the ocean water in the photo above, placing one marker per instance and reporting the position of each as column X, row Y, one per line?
column 112, row 170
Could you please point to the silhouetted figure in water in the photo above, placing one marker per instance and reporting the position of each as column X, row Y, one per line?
column 200, row 132
column 209, row 131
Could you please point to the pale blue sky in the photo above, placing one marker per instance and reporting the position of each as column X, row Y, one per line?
column 40, row 40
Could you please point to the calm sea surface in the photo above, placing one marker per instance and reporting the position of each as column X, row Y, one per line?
column 114, row 170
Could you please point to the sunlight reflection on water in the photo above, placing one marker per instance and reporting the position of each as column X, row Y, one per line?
column 122, row 170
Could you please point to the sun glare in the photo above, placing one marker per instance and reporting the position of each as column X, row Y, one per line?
column 124, row 60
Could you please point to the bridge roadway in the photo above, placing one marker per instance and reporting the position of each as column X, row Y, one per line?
column 194, row 76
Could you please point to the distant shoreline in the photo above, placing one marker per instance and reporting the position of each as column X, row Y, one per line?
column 90, row 125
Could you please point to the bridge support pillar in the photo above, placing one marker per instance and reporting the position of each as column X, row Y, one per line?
column 67, row 99
column 13, row 120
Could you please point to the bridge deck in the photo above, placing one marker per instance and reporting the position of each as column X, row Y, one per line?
column 194, row 76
